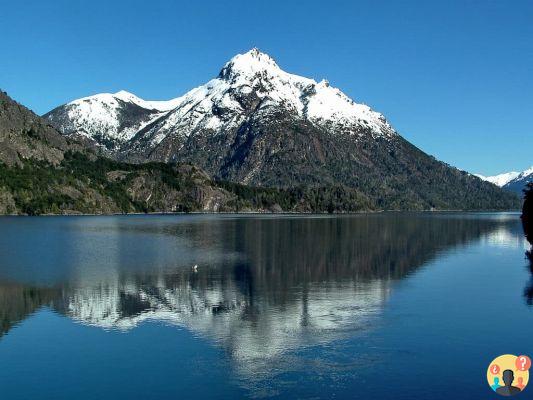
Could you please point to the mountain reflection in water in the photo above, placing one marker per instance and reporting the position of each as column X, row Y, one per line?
column 264, row 285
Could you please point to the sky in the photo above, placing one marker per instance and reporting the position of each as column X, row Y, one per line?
column 453, row 77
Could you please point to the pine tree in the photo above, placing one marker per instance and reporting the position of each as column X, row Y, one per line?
column 527, row 216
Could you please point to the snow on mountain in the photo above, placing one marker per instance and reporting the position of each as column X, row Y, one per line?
column 512, row 181
column 501, row 179
column 524, row 174
column 518, row 184
column 218, row 105
column 108, row 118
column 159, row 105
column 315, row 101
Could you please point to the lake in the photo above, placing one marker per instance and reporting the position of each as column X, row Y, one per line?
column 388, row 305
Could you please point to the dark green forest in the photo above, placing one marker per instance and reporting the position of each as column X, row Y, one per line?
column 79, row 181
column 84, row 183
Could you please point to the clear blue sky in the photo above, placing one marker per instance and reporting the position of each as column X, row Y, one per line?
column 453, row 77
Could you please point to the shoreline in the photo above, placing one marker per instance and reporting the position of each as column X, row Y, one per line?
column 262, row 213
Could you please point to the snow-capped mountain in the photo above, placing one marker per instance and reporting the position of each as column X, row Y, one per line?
column 219, row 105
column 512, row 181
column 518, row 183
column 110, row 119
column 253, row 81
column 256, row 124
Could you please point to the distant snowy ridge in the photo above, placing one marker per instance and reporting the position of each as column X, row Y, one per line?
column 526, row 173
column 501, row 179
column 512, row 181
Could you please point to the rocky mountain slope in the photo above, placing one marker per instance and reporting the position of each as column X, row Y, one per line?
column 512, row 181
column 43, row 172
column 24, row 135
column 258, row 125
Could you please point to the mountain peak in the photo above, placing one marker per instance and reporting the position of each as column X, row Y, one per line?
column 255, row 52
column 124, row 93
column 250, row 64
column 255, row 55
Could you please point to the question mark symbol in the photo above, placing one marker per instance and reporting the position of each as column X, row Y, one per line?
column 523, row 363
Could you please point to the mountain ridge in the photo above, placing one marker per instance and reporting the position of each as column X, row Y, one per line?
column 317, row 101
column 512, row 181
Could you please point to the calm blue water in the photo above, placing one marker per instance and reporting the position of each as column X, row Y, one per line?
column 392, row 306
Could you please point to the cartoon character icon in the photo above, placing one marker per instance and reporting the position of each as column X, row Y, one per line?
column 508, row 389
column 508, row 375
column 496, row 384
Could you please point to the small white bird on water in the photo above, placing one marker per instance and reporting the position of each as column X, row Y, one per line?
column 195, row 268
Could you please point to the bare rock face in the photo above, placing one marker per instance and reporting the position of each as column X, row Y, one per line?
column 149, row 189
column 24, row 135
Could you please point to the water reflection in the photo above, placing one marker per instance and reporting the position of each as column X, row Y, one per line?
column 264, row 285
